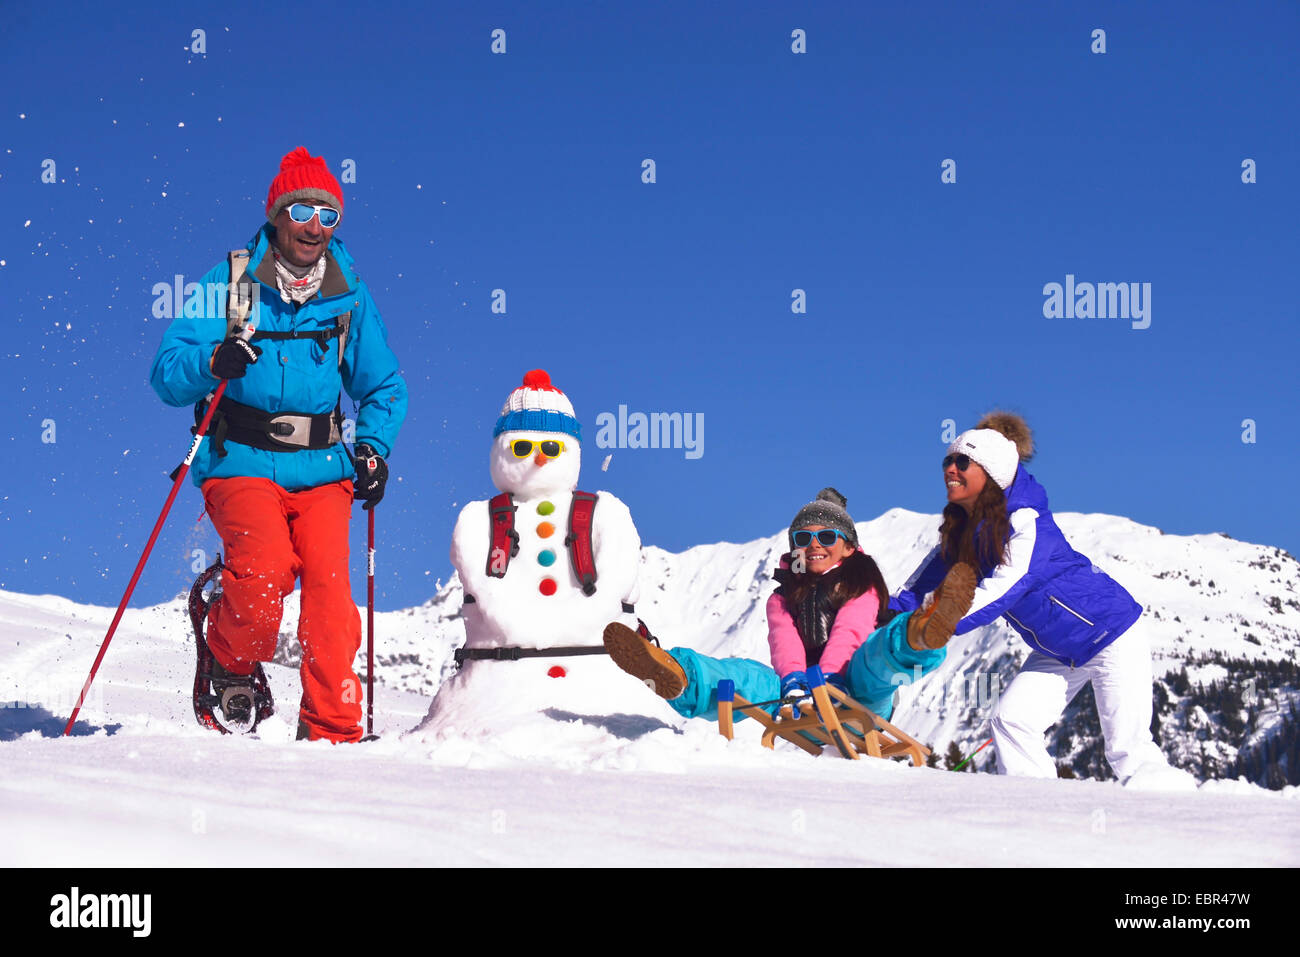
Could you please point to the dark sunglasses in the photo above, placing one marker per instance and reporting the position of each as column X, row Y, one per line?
column 303, row 212
column 826, row 537
column 961, row 461
column 524, row 448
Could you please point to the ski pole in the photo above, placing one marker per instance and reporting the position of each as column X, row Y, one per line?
column 181, row 472
column 973, row 753
column 370, row 623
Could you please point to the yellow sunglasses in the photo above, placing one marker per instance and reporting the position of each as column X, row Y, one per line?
column 524, row 448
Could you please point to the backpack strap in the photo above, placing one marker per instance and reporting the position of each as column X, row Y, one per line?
column 322, row 336
column 239, row 294
column 343, row 323
column 579, row 540
column 505, row 540
column 239, row 304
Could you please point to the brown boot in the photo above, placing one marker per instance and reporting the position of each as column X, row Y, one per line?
column 647, row 662
column 933, row 627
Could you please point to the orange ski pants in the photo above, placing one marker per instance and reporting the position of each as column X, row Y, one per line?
column 272, row 537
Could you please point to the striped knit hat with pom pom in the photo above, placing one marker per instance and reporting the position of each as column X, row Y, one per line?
column 537, row 406
column 303, row 179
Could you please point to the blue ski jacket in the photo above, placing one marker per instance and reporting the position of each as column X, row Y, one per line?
column 296, row 375
column 1056, row 599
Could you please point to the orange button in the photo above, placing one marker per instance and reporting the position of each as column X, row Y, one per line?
column 545, row 529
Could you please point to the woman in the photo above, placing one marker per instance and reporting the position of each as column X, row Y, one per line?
column 824, row 613
column 1081, row 624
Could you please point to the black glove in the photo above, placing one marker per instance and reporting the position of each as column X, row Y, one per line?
column 233, row 357
column 372, row 473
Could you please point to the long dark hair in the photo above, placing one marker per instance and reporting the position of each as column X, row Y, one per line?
column 854, row 576
column 979, row 538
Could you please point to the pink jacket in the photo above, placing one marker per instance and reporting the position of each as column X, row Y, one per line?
column 855, row 620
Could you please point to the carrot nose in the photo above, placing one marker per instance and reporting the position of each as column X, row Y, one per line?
column 540, row 458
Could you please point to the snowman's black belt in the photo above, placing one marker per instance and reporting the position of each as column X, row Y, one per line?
column 514, row 652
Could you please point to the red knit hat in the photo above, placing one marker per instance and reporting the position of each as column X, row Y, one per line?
column 303, row 177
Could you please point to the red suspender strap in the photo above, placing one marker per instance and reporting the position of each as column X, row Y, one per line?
column 579, row 540
column 505, row 540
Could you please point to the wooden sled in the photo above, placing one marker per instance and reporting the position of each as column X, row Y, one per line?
column 838, row 720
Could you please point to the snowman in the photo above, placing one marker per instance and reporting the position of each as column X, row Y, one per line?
column 544, row 568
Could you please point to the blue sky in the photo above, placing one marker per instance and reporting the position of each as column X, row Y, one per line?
column 775, row 171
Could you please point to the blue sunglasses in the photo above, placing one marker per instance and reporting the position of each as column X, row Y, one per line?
column 303, row 212
column 826, row 536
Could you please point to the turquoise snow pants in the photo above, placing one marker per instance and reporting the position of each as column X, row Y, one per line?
column 880, row 665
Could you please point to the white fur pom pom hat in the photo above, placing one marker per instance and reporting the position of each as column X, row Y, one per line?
column 992, row 451
column 998, row 444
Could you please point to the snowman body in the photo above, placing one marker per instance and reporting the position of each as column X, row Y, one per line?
column 539, row 601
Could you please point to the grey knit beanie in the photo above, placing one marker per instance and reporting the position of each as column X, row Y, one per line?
column 829, row 510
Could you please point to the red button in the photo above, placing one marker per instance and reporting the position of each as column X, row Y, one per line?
column 547, row 587
column 557, row 671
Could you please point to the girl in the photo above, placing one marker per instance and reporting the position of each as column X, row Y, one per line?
column 1081, row 624
column 824, row 613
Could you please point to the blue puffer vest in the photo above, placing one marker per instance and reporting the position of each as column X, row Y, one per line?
column 1059, row 603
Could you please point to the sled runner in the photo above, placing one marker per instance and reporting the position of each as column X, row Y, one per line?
column 836, row 719
column 208, row 704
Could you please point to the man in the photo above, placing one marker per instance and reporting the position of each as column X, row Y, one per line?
column 277, row 481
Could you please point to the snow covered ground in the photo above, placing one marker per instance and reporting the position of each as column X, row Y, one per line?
column 174, row 799
column 141, row 784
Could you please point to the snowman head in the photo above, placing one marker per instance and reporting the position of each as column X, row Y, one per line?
column 536, row 447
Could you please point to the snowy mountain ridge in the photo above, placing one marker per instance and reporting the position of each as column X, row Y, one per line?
column 1209, row 598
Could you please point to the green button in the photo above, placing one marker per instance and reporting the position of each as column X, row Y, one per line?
column 546, row 557
column 545, row 508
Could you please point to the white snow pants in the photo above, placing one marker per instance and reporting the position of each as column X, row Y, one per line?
column 1037, row 696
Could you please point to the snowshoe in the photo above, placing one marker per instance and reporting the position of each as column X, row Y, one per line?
column 239, row 698
column 223, row 702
